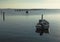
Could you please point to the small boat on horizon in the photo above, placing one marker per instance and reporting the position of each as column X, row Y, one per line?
column 43, row 24
column 26, row 11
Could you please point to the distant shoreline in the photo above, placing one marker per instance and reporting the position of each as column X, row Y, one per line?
column 27, row 9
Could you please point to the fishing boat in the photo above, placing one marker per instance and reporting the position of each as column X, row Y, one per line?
column 43, row 24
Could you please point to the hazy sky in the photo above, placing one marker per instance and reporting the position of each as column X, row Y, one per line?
column 29, row 3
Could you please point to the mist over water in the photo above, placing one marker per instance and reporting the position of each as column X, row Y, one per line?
column 17, row 26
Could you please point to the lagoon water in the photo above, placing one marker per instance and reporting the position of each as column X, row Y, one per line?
column 17, row 26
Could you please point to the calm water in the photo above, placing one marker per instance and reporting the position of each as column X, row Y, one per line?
column 20, row 27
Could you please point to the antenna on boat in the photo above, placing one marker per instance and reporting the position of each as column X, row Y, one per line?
column 42, row 17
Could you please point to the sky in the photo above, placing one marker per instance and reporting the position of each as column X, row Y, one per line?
column 30, row 4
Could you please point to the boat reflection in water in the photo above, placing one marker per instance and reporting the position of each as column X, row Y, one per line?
column 42, row 31
column 42, row 26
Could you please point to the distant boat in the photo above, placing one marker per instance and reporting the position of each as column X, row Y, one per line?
column 43, row 24
column 26, row 11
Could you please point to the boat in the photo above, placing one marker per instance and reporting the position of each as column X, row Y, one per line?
column 26, row 11
column 43, row 24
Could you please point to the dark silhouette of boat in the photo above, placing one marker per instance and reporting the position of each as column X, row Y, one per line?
column 43, row 24
column 26, row 11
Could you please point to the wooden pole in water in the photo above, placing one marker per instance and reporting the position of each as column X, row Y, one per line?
column 42, row 17
column 3, row 16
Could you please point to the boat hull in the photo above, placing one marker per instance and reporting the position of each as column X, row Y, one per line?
column 42, row 27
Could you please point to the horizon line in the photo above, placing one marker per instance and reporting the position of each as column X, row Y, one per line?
column 29, row 8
